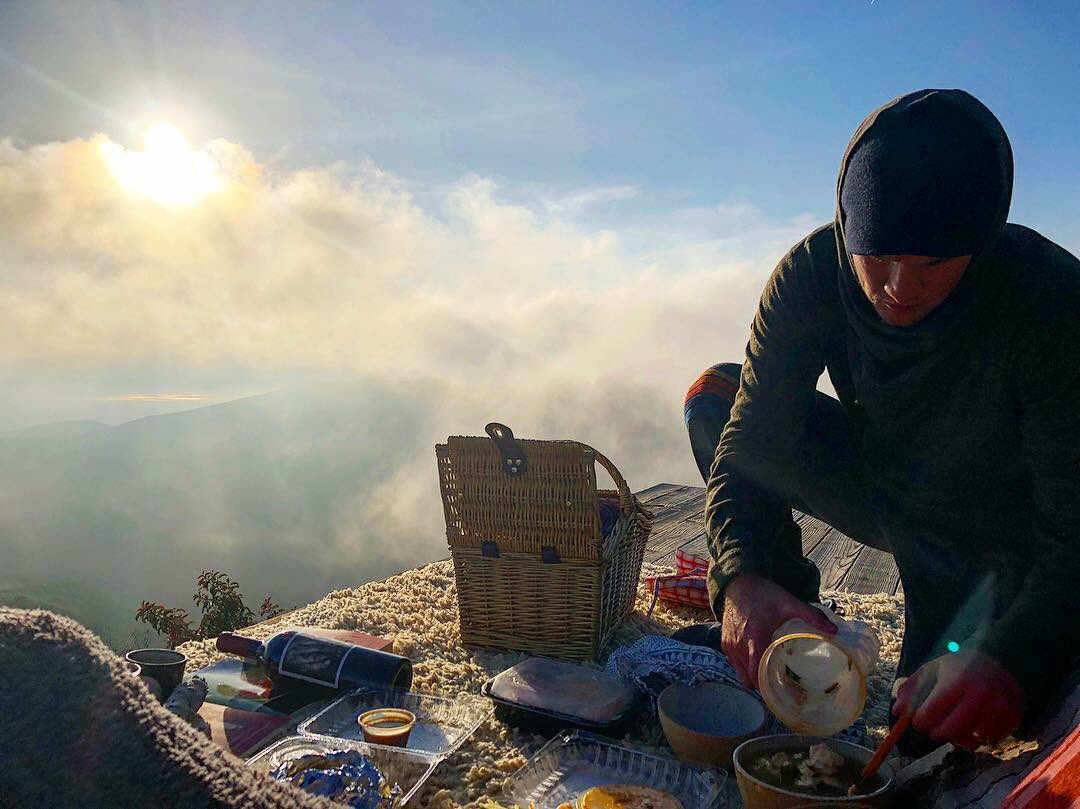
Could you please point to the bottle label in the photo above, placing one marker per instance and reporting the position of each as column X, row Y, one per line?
column 315, row 660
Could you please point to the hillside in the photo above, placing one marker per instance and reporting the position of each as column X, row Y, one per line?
column 292, row 493
column 59, row 429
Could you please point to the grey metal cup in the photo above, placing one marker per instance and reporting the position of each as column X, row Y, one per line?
column 165, row 666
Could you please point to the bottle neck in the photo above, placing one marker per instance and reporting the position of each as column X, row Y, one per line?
column 238, row 645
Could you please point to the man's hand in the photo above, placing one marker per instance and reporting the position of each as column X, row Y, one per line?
column 753, row 610
column 966, row 698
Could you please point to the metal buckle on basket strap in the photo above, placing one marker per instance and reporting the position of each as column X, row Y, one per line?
column 514, row 464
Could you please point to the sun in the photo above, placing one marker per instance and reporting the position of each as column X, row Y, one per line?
column 169, row 171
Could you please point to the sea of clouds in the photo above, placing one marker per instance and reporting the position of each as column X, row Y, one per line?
column 407, row 313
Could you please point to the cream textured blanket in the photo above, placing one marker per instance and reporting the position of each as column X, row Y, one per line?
column 77, row 730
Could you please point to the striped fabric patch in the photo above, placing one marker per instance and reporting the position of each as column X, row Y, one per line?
column 716, row 383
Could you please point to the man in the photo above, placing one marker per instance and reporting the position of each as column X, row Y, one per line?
column 952, row 341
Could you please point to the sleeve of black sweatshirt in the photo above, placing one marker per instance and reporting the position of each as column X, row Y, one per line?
column 1040, row 631
column 768, row 420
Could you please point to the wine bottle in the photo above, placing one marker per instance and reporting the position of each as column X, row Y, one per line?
column 297, row 656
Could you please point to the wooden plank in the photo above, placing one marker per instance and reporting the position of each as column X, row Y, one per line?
column 671, row 538
column 844, row 563
column 691, row 509
column 813, row 531
column 845, row 558
column 873, row 571
column 826, row 555
column 673, row 497
column 676, row 524
column 646, row 495
column 696, row 544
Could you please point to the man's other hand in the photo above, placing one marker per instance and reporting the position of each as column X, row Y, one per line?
column 966, row 698
column 754, row 608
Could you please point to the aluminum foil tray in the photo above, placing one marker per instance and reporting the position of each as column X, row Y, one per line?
column 408, row 771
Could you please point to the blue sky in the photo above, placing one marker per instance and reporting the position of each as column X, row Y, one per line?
column 691, row 104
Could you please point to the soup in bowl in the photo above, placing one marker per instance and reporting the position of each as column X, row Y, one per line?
column 788, row 771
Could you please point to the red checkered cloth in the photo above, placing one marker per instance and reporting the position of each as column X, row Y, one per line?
column 687, row 587
column 690, row 562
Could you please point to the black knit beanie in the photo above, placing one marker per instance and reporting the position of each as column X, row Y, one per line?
column 925, row 180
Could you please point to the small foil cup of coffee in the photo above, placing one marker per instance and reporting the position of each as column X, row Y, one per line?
column 389, row 726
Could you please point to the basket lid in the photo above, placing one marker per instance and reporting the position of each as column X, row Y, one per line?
column 527, row 495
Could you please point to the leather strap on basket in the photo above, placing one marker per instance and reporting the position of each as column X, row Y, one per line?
column 514, row 464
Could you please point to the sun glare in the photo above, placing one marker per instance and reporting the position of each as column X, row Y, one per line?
column 168, row 171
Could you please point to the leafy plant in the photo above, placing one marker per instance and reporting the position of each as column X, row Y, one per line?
column 270, row 608
column 172, row 622
column 222, row 605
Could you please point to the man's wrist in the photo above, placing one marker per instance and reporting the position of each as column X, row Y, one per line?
column 737, row 583
column 732, row 565
column 733, row 588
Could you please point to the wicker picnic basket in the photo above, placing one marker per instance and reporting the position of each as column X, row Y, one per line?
column 524, row 528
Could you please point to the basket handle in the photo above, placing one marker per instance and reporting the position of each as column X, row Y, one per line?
column 626, row 499
column 515, row 462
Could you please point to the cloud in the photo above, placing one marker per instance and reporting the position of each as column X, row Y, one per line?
column 340, row 267
column 578, row 201
column 514, row 311
column 517, row 306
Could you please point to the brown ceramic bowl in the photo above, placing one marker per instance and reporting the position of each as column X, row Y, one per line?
column 758, row 794
column 705, row 723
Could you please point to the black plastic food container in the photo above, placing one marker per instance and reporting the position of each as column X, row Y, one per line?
column 545, row 696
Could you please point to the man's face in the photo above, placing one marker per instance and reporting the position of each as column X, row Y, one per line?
column 905, row 289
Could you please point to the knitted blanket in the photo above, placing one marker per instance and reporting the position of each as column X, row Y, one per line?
column 77, row 730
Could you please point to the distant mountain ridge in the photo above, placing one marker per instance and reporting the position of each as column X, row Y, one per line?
column 59, row 429
column 293, row 494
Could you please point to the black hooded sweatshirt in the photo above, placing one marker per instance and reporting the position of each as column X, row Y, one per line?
column 967, row 423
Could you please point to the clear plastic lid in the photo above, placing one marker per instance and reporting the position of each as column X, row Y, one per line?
column 572, row 763
column 816, row 683
column 442, row 723
column 565, row 689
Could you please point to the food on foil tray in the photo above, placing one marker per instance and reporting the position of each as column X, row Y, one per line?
column 345, row 776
